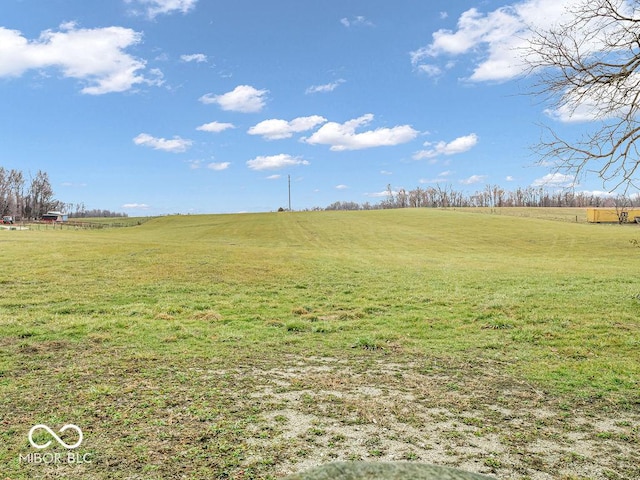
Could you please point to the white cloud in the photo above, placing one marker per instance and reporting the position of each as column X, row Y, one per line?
column 600, row 193
column 605, row 194
column 495, row 39
column 566, row 114
column 153, row 8
column 174, row 145
column 73, row 185
column 215, row 127
column 547, row 163
column 356, row 21
column 576, row 108
column 218, row 166
column 328, row 87
column 195, row 57
column 274, row 129
column 459, row 145
column 509, row 178
column 94, row 56
column 341, row 187
column 343, row 136
column 430, row 70
column 136, row 206
column 243, row 98
column 382, row 194
column 473, row 179
column 274, row 177
column 275, row 162
column 554, row 180
column 442, row 177
column 68, row 25
column 158, row 77
column 385, row 172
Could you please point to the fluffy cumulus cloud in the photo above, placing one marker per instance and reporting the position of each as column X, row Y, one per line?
column 576, row 108
column 494, row 39
column 173, row 145
column 497, row 44
column 555, row 180
column 96, row 56
column 194, row 57
column 153, row 8
column 343, row 136
column 243, row 98
column 275, row 162
column 218, row 166
column 459, row 145
column 275, row 129
column 215, row 127
column 473, row 179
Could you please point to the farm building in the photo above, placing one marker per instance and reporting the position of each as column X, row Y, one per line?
column 613, row 215
column 54, row 217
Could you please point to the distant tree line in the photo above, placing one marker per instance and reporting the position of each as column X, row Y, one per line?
column 78, row 211
column 32, row 197
column 492, row 196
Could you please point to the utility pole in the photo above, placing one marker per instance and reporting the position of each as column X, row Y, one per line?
column 289, row 178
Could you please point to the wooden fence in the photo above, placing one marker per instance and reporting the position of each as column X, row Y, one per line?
column 72, row 225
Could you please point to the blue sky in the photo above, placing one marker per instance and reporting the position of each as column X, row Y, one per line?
column 201, row 106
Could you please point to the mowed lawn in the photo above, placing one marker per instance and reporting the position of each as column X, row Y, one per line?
column 257, row 345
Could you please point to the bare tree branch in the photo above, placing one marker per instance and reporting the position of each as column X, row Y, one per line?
column 588, row 66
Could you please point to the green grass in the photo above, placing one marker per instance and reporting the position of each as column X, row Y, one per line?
column 562, row 214
column 155, row 339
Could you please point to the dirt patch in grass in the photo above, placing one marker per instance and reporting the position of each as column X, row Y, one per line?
column 469, row 417
column 267, row 416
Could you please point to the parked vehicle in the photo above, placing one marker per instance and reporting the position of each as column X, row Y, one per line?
column 7, row 220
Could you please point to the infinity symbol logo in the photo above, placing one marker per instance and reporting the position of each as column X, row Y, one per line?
column 58, row 439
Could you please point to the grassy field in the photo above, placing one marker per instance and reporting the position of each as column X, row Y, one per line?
column 258, row 345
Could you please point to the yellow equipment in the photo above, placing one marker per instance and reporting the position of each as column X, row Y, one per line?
column 613, row 215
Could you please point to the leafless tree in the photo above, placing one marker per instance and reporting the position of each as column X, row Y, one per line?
column 588, row 67
column 402, row 199
column 16, row 186
column 40, row 197
column 4, row 192
column 622, row 204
